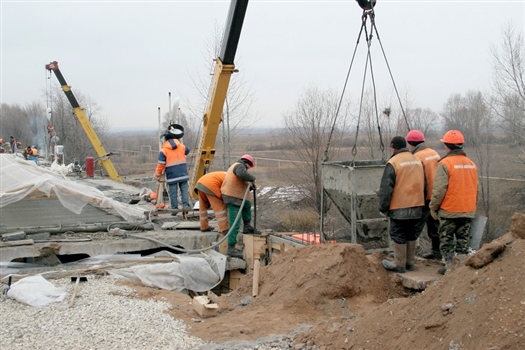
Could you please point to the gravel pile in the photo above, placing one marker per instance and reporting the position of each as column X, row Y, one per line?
column 105, row 316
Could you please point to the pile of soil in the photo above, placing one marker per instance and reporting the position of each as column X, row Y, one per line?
column 334, row 296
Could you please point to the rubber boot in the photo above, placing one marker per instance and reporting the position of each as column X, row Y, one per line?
column 411, row 255
column 247, row 228
column 400, row 259
column 434, row 255
column 234, row 252
column 448, row 260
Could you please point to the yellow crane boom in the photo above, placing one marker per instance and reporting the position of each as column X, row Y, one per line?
column 224, row 68
column 103, row 156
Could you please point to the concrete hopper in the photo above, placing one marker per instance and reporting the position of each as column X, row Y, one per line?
column 353, row 187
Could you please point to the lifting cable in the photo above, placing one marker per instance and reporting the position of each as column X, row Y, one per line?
column 367, row 12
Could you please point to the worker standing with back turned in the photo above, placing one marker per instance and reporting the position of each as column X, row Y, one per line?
column 401, row 198
column 172, row 160
column 208, row 188
column 237, row 181
column 454, row 197
column 429, row 158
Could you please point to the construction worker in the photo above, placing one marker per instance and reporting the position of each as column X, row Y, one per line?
column 454, row 197
column 28, row 152
column 402, row 198
column 172, row 160
column 12, row 142
column 208, row 188
column 234, row 188
column 429, row 158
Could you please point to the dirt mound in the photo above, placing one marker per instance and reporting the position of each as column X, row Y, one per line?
column 333, row 296
column 466, row 309
column 297, row 289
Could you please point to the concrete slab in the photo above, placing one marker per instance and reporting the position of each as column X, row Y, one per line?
column 49, row 212
column 116, row 245
column 424, row 274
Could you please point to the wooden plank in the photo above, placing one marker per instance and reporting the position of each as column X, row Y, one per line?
column 235, row 278
column 255, row 247
column 16, row 243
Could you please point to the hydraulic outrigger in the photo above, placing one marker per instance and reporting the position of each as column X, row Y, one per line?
column 103, row 156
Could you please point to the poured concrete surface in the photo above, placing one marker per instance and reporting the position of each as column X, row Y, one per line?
column 49, row 212
column 113, row 245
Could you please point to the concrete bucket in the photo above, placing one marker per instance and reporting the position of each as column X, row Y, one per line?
column 353, row 188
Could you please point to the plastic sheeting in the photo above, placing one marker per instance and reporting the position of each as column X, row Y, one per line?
column 36, row 291
column 19, row 178
column 197, row 273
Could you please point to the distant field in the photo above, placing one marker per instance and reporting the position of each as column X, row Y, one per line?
column 281, row 167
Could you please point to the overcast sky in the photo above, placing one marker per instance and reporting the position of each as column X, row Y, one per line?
column 127, row 55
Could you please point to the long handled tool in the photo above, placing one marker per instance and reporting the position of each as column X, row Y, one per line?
column 254, row 207
column 77, row 280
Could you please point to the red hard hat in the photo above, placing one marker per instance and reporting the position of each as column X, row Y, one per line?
column 454, row 137
column 415, row 135
column 250, row 160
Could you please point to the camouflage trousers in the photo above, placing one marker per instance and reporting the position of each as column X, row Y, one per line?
column 454, row 236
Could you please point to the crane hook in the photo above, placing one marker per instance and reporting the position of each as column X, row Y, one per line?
column 366, row 4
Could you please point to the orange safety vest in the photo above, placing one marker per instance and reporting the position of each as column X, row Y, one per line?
column 213, row 182
column 462, row 187
column 233, row 186
column 430, row 160
column 173, row 162
column 409, row 188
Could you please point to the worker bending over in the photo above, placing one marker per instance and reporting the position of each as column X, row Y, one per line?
column 233, row 189
column 208, row 188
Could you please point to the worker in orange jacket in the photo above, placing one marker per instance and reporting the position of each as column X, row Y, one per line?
column 238, row 180
column 401, row 198
column 208, row 188
column 172, row 160
column 429, row 158
column 454, row 197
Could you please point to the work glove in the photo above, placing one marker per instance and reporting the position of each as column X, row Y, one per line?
column 434, row 214
column 252, row 185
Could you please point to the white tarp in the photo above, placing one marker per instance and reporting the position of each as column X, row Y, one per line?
column 197, row 273
column 36, row 291
column 19, row 178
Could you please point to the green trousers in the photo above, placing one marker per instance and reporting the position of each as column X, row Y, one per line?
column 246, row 216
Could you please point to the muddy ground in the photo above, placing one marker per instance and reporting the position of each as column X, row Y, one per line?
column 334, row 296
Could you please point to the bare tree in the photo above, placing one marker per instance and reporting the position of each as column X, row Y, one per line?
column 237, row 112
column 307, row 130
column 15, row 122
column 508, row 83
column 421, row 119
column 71, row 134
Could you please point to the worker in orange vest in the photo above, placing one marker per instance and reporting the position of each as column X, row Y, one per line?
column 454, row 197
column 401, row 198
column 237, row 182
column 208, row 188
column 429, row 158
column 172, row 160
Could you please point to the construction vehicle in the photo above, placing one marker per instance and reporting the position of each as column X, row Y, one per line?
column 224, row 68
column 103, row 156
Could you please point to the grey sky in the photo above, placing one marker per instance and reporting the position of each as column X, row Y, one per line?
column 127, row 55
